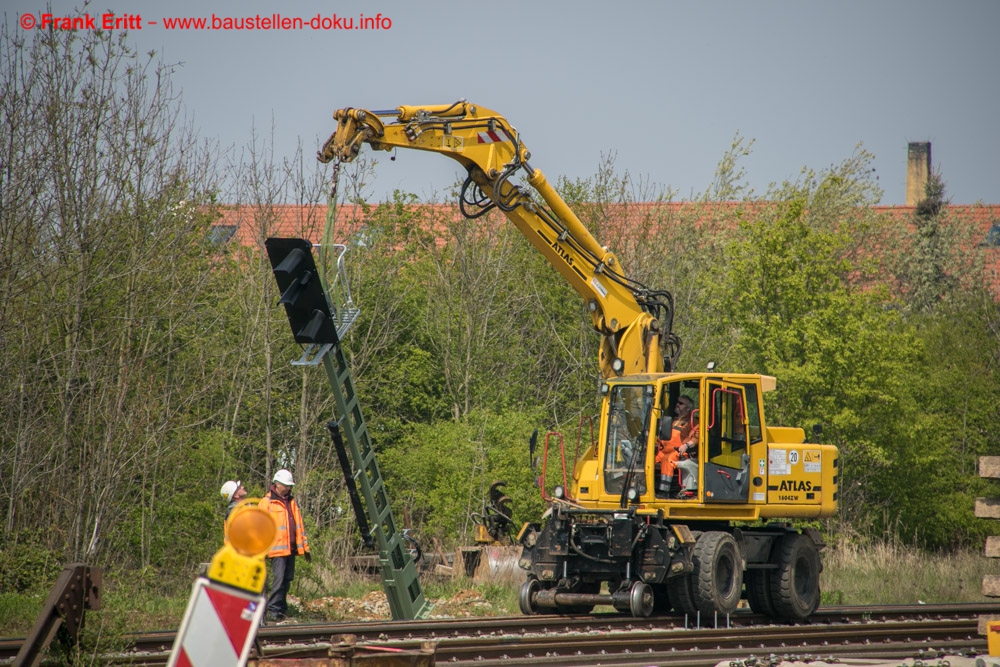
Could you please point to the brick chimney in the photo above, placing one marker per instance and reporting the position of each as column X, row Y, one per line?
column 918, row 170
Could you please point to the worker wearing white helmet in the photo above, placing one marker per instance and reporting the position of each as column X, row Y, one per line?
column 233, row 493
column 290, row 542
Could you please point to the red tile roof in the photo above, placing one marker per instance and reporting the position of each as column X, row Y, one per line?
column 253, row 224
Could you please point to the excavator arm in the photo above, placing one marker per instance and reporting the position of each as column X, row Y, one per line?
column 635, row 322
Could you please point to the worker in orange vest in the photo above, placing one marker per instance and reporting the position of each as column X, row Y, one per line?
column 290, row 542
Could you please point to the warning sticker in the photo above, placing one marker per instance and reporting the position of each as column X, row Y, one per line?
column 777, row 462
column 812, row 461
column 761, row 467
column 596, row 284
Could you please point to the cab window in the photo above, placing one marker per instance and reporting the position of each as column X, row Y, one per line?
column 625, row 453
column 727, row 438
column 753, row 413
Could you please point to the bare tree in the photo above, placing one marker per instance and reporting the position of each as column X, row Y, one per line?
column 101, row 270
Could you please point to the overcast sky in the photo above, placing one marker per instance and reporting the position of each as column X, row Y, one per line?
column 663, row 85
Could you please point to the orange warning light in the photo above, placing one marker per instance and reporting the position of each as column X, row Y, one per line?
column 251, row 530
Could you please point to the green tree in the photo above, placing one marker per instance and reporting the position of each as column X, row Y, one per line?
column 802, row 303
column 925, row 269
column 940, row 274
column 836, row 352
column 439, row 474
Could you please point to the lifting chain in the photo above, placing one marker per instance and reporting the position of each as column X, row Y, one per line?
column 327, row 263
column 335, row 178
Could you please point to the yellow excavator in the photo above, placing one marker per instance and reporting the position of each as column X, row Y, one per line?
column 683, row 501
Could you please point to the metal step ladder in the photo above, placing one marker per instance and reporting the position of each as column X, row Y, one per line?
column 399, row 574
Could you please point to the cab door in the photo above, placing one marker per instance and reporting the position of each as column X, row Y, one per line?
column 726, row 460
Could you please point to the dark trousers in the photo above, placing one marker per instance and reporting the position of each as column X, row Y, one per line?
column 282, row 573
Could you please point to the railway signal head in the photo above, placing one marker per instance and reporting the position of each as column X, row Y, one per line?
column 301, row 289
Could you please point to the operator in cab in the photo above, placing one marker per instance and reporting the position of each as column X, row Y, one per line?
column 669, row 445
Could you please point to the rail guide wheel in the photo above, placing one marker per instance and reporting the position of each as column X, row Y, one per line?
column 526, row 599
column 640, row 599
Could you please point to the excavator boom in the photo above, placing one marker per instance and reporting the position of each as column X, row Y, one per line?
column 635, row 322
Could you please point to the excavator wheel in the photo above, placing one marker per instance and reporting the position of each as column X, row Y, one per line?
column 661, row 599
column 795, row 584
column 758, row 584
column 718, row 573
column 527, row 597
column 681, row 594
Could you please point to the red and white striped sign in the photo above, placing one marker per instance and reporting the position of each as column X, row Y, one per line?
column 492, row 137
column 219, row 627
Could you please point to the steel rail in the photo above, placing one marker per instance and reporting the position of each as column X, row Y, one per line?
column 834, row 630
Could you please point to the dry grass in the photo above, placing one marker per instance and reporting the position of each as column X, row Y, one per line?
column 891, row 573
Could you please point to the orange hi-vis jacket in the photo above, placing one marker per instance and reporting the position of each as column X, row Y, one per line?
column 667, row 454
column 279, row 509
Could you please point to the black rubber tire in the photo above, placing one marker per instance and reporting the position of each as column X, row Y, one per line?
column 661, row 599
column 526, row 598
column 758, row 584
column 681, row 594
column 795, row 584
column 718, row 573
column 640, row 599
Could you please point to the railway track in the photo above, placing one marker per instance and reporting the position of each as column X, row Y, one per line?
column 834, row 633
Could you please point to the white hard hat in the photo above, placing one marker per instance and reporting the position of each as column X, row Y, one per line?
column 284, row 477
column 229, row 489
